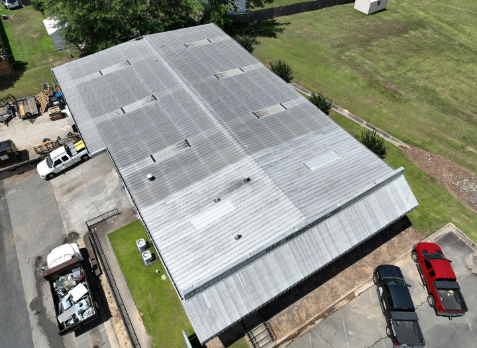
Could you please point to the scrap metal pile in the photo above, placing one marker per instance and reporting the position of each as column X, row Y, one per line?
column 74, row 301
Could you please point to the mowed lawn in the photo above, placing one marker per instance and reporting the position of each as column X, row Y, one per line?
column 410, row 70
column 278, row 3
column 156, row 300
column 437, row 207
column 25, row 38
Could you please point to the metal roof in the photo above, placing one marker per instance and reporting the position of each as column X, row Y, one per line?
column 166, row 112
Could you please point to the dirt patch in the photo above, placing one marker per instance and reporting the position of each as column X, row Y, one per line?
column 116, row 321
column 321, row 294
column 459, row 181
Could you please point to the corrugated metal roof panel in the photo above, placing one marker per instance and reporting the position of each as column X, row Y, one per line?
column 293, row 261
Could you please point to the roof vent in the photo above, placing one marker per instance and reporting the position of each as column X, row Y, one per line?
column 114, row 67
column 150, row 177
column 228, row 73
column 269, row 111
column 137, row 104
column 217, row 199
column 246, row 180
column 238, row 236
column 197, row 43
column 170, row 151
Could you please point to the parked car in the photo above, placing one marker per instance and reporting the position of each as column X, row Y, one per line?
column 9, row 4
column 61, row 158
column 396, row 304
column 439, row 278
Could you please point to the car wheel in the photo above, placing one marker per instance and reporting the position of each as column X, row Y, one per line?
column 375, row 279
column 50, row 176
column 84, row 157
column 431, row 300
column 389, row 332
column 414, row 256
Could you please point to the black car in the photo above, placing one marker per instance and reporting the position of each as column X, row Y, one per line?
column 396, row 304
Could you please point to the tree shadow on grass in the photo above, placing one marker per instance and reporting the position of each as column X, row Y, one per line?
column 268, row 28
column 9, row 80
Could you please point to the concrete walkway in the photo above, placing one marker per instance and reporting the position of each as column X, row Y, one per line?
column 102, row 229
column 356, row 119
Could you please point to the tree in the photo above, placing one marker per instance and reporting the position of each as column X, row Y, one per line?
column 373, row 142
column 246, row 41
column 320, row 101
column 283, row 70
column 212, row 11
column 96, row 25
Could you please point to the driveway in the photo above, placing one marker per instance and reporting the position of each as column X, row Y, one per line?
column 360, row 323
column 35, row 217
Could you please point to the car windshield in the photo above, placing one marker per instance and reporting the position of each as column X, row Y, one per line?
column 435, row 257
column 49, row 162
column 11, row 1
column 394, row 281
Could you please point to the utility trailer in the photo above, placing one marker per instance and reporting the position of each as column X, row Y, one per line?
column 28, row 108
column 70, row 288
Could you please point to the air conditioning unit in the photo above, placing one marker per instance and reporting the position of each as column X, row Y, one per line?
column 147, row 258
column 141, row 245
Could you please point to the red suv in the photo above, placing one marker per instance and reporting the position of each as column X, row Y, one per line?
column 439, row 278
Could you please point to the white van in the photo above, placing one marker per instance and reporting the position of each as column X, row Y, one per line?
column 9, row 4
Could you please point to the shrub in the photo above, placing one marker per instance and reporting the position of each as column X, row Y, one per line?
column 373, row 142
column 283, row 70
column 320, row 101
column 247, row 42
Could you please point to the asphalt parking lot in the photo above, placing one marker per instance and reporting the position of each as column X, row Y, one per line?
column 35, row 217
column 360, row 323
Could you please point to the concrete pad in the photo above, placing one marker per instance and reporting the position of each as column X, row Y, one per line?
column 26, row 134
column 88, row 190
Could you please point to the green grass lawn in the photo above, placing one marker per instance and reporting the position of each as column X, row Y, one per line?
column 437, row 207
column 156, row 300
column 278, row 3
column 410, row 70
column 33, row 52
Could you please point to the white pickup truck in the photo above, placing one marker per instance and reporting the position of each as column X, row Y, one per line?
column 61, row 158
